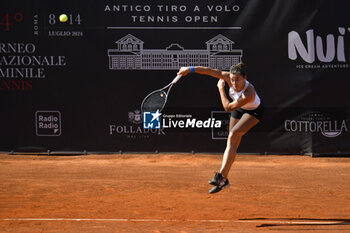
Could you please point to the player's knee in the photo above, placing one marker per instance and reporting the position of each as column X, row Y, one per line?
column 235, row 133
column 232, row 136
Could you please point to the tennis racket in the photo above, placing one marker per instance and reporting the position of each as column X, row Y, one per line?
column 156, row 100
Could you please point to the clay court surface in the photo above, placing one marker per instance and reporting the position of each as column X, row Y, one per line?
column 169, row 193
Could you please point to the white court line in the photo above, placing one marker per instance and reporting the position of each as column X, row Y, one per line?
column 112, row 220
column 173, row 220
column 291, row 222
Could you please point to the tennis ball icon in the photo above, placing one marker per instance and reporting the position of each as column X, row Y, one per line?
column 63, row 18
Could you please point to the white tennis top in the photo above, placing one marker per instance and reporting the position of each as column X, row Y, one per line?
column 248, row 106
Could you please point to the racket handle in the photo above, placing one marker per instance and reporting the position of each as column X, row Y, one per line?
column 176, row 79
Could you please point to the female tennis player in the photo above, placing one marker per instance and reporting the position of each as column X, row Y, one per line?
column 245, row 109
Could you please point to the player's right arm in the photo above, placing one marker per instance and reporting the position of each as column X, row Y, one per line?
column 206, row 71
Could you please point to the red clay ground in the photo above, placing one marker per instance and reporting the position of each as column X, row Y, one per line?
column 169, row 193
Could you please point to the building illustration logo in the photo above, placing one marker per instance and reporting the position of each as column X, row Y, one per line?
column 131, row 55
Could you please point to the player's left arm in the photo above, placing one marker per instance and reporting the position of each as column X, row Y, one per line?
column 246, row 97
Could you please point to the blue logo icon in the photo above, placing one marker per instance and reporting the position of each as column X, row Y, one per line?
column 151, row 120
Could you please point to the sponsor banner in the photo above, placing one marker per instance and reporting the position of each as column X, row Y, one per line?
column 317, row 122
column 134, row 128
column 172, row 121
column 329, row 50
column 220, row 133
column 157, row 120
column 79, row 72
column 48, row 123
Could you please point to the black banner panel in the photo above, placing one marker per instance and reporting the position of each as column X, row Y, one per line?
column 73, row 74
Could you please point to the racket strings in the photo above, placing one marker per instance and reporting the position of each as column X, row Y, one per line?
column 155, row 101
